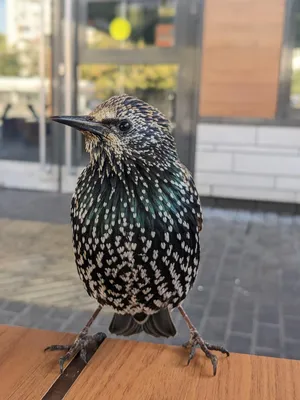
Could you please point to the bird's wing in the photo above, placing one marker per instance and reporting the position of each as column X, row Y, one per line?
column 190, row 182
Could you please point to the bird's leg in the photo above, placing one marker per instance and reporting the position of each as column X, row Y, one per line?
column 81, row 343
column 196, row 340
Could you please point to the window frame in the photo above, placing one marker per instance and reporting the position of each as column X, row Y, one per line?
column 285, row 114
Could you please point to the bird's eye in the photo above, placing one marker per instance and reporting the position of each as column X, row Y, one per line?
column 124, row 126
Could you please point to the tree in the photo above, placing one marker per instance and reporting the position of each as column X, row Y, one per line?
column 2, row 42
column 9, row 61
column 132, row 79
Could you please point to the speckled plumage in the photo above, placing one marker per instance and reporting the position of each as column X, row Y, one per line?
column 136, row 219
column 136, row 214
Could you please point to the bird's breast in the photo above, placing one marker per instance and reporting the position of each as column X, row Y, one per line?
column 141, row 247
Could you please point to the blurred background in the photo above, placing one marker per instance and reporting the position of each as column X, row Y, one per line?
column 227, row 74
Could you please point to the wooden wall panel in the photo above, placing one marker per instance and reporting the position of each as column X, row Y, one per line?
column 241, row 58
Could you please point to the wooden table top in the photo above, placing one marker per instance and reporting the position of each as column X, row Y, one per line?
column 138, row 371
column 26, row 372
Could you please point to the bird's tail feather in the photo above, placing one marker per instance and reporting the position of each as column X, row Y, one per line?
column 124, row 325
column 159, row 324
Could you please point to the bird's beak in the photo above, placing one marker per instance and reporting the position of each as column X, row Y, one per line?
column 82, row 123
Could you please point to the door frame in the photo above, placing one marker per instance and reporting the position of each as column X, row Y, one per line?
column 186, row 53
column 40, row 175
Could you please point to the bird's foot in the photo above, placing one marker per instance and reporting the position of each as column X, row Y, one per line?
column 196, row 340
column 83, row 343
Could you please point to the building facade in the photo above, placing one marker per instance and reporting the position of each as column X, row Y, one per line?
column 227, row 73
column 23, row 20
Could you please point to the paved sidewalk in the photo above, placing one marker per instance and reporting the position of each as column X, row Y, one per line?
column 247, row 294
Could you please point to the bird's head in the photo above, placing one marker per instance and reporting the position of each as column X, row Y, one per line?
column 124, row 129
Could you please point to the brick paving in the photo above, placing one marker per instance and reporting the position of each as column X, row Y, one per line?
column 247, row 294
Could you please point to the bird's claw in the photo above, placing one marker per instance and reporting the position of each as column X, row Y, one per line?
column 192, row 354
column 186, row 345
column 58, row 347
column 81, row 344
column 221, row 349
column 196, row 340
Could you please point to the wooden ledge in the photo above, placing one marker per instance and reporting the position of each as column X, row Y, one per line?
column 137, row 371
column 26, row 371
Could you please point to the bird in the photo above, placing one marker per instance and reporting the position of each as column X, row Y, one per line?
column 136, row 219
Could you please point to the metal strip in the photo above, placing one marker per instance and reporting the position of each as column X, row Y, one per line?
column 64, row 382
column 285, row 73
column 81, row 22
column 42, row 117
column 189, row 20
column 57, row 88
column 68, row 86
column 126, row 57
column 292, row 120
column 76, row 77
column 198, row 8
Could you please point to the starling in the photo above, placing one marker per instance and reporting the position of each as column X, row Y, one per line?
column 136, row 219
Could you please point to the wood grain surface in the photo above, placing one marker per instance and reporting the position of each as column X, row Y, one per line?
column 144, row 371
column 241, row 57
column 26, row 372
column 139, row 371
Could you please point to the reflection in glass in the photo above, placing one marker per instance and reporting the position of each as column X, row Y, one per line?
column 155, row 84
column 20, row 81
column 295, row 84
column 152, row 23
column 295, row 87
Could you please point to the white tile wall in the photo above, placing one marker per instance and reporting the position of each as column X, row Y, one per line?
column 271, row 165
column 288, row 183
column 249, row 162
column 204, row 190
column 261, row 149
column 214, row 161
column 253, row 194
column 278, row 136
column 234, row 179
column 226, row 134
column 206, row 147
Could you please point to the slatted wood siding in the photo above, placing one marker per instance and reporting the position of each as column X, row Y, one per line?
column 241, row 57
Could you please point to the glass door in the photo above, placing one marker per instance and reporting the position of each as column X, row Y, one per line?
column 26, row 142
column 142, row 48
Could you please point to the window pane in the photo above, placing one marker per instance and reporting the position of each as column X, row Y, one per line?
column 147, row 23
column 295, row 84
column 20, row 82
